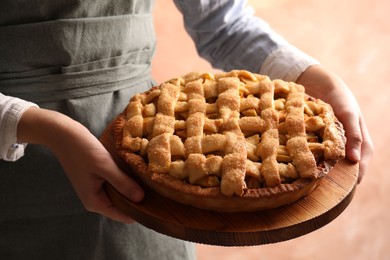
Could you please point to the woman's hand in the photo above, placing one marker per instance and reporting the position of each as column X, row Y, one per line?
column 331, row 89
column 86, row 162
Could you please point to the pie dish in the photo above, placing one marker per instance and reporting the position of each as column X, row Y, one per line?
column 229, row 142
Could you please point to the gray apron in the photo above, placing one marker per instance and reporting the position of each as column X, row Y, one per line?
column 84, row 59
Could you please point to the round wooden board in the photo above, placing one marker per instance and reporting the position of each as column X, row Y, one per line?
column 165, row 216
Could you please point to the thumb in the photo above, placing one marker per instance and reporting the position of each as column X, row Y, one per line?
column 354, row 137
column 125, row 185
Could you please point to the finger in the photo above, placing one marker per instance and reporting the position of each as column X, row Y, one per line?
column 366, row 151
column 354, row 137
column 103, row 205
column 114, row 214
column 124, row 184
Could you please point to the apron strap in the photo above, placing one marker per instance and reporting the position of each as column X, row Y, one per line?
column 57, row 87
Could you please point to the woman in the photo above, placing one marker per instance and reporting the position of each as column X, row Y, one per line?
column 67, row 68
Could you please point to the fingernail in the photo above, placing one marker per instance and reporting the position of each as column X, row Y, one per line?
column 355, row 155
column 136, row 195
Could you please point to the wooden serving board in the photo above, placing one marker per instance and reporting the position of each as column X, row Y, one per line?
column 165, row 216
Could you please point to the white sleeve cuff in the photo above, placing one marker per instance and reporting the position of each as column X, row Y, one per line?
column 286, row 63
column 11, row 110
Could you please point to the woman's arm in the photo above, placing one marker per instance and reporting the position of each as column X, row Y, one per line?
column 227, row 33
column 230, row 36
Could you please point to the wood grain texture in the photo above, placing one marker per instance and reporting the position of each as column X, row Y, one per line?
column 165, row 216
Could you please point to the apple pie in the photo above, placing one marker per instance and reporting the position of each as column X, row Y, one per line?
column 229, row 142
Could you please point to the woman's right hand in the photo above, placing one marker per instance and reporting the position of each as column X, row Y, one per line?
column 86, row 162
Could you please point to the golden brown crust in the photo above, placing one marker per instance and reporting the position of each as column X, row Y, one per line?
column 267, row 151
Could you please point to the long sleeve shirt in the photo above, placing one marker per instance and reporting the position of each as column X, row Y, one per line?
column 225, row 32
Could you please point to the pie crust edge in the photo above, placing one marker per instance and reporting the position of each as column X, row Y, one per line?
column 211, row 198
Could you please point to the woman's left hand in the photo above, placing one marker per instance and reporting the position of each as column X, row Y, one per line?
column 325, row 85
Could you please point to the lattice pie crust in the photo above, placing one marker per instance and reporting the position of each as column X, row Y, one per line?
column 233, row 141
